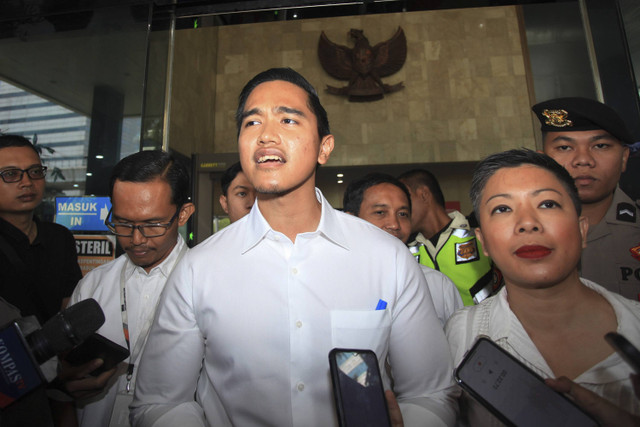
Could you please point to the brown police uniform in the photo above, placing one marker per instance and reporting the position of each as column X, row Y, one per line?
column 612, row 255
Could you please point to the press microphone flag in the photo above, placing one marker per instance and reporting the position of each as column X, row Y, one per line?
column 21, row 356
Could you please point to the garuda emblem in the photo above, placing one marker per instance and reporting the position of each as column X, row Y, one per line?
column 363, row 65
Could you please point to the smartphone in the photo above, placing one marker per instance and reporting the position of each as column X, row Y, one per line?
column 97, row 346
column 625, row 349
column 358, row 389
column 513, row 392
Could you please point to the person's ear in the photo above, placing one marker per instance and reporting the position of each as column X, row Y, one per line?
column 481, row 240
column 583, row 223
column 326, row 147
column 185, row 213
column 224, row 203
column 424, row 194
column 625, row 158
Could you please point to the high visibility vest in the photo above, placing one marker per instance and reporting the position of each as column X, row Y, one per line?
column 462, row 260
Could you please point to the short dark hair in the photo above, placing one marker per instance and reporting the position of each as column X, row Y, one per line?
column 354, row 194
column 9, row 140
column 146, row 166
column 417, row 178
column 291, row 76
column 228, row 176
column 515, row 158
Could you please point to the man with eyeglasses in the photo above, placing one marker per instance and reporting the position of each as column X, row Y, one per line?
column 38, row 260
column 149, row 194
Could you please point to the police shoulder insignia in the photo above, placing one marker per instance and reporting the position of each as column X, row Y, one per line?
column 467, row 251
column 635, row 252
column 626, row 212
column 557, row 118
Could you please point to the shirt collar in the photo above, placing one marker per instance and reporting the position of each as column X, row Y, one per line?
column 17, row 236
column 164, row 268
column 257, row 226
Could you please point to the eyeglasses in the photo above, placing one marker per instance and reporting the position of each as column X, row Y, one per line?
column 147, row 230
column 15, row 175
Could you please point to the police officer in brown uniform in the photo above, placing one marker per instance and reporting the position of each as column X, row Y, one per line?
column 590, row 140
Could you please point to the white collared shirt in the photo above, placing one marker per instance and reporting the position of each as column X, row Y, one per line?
column 143, row 291
column 264, row 313
column 494, row 318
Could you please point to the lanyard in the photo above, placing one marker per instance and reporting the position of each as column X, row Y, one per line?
column 144, row 331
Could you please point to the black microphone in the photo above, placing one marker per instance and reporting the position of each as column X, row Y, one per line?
column 66, row 329
column 20, row 357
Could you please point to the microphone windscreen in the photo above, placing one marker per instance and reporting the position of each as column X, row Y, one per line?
column 66, row 329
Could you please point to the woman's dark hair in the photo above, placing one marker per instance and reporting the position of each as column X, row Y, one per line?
column 291, row 76
column 354, row 193
column 515, row 158
column 146, row 166
column 9, row 140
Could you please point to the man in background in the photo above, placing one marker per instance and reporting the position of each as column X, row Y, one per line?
column 38, row 260
column 445, row 241
column 238, row 195
column 385, row 202
column 590, row 140
column 149, row 194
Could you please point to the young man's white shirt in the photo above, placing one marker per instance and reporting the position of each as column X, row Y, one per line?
column 248, row 318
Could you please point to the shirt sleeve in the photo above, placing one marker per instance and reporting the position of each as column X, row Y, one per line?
column 171, row 361
column 419, row 354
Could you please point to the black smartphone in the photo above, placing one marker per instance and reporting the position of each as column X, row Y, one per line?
column 513, row 392
column 357, row 388
column 625, row 349
column 97, row 346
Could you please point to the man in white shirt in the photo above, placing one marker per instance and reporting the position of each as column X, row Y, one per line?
column 249, row 316
column 149, row 195
column 385, row 202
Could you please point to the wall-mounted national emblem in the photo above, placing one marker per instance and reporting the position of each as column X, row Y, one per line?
column 363, row 65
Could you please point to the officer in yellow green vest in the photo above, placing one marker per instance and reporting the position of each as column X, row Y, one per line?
column 445, row 241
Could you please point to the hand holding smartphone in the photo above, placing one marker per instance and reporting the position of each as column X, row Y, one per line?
column 513, row 392
column 97, row 347
column 358, row 389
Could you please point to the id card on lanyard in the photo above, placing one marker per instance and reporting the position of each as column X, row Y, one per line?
column 120, row 413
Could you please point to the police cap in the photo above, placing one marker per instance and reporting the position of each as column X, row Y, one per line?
column 577, row 114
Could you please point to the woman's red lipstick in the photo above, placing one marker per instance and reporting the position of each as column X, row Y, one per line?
column 533, row 251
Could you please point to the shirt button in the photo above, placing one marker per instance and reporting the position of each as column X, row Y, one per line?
column 300, row 386
column 294, row 270
column 299, row 324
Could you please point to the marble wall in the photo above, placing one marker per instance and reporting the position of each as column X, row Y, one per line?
column 466, row 89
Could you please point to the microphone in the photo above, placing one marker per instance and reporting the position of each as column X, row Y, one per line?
column 20, row 357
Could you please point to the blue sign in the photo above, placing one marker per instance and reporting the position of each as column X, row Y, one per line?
column 83, row 213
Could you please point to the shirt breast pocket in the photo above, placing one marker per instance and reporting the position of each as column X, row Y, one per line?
column 361, row 329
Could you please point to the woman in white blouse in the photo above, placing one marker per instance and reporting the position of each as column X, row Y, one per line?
column 546, row 315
